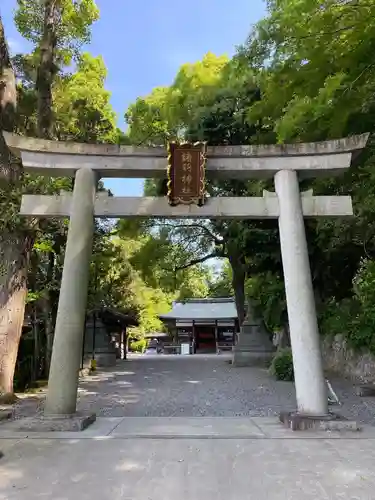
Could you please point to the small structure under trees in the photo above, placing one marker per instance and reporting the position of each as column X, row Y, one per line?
column 105, row 336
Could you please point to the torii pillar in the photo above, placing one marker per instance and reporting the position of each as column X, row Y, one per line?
column 310, row 384
column 71, row 312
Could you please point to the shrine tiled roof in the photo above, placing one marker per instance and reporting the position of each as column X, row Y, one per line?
column 216, row 309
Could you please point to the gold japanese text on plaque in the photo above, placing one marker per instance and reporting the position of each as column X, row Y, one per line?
column 186, row 173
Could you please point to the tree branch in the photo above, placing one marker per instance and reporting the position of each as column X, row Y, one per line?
column 200, row 260
column 319, row 34
column 218, row 241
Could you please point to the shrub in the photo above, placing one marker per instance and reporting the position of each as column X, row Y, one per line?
column 139, row 346
column 354, row 317
column 282, row 365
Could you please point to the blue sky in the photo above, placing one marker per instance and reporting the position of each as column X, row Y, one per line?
column 144, row 42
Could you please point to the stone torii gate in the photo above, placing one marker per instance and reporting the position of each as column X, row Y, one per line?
column 287, row 164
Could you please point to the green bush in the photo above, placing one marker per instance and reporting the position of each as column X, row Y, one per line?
column 282, row 365
column 354, row 317
column 138, row 346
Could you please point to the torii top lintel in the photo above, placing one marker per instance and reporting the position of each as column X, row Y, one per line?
column 56, row 158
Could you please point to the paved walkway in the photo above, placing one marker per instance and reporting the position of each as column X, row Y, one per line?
column 188, row 429
column 188, row 459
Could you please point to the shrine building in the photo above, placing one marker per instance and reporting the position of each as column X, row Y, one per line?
column 207, row 325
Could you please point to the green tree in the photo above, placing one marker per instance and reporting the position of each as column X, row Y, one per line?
column 50, row 26
column 57, row 28
column 166, row 111
column 221, row 284
column 209, row 101
column 316, row 80
column 115, row 282
column 13, row 261
column 8, row 104
column 82, row 104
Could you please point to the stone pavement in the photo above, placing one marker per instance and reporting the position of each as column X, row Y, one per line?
column 206, row 458
column 188, row 429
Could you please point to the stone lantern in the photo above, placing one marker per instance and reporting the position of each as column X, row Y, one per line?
column 254, row 346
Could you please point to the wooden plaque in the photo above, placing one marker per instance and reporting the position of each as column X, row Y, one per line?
column 186, row 173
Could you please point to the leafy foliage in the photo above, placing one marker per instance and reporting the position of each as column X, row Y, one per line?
column 73, row 21
column 282, row 365
column 316, row 80
column 82, row 104
column 354, row 317
column 304, row 74
column 221, row 284
column 74, row 106
column 138, row 346
column 268, row 295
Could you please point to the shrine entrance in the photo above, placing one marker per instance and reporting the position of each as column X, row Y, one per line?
column 206, row 325
column 205, row 340
column 187, row 166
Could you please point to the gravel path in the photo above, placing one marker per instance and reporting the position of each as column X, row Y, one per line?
column 185, row 386
column 191, row 386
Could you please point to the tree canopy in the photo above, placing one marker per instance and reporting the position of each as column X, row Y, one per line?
column 304, row 74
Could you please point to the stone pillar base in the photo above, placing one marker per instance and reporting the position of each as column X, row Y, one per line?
column 254, row 348
column 57, row 423
column 331, row 422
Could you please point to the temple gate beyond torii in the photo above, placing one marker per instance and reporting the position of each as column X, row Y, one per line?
column 88, row 163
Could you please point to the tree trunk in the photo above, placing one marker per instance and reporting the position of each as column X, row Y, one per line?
column 45, row 76
column 31, row 284
column 36, row 360
column 8, row 105
column 14, row 248
column 47, row 309
column 49, row 330
column 14, row 256
column 47, row 69
column 8, row 90
column 283, row 337
column 238, row 283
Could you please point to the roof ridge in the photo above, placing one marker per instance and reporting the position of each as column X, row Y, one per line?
column 209, row 308
column 205, row 300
